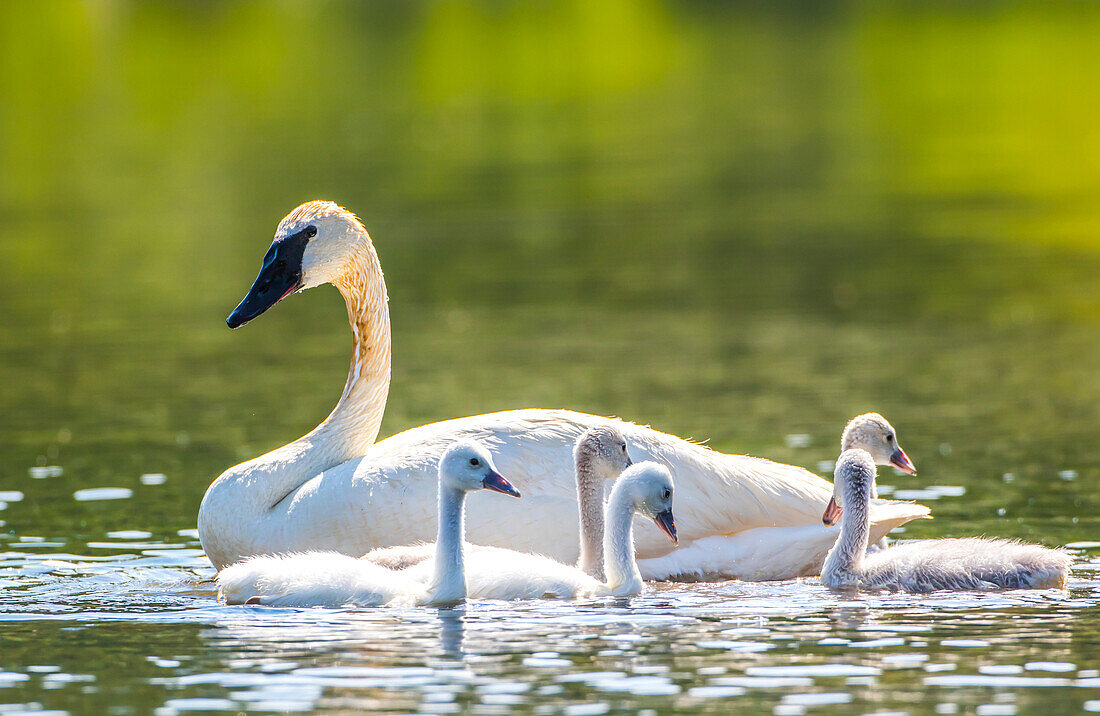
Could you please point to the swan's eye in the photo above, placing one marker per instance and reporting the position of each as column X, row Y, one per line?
column 474, row 461
column 668, row 494
column 624, row 447
column 310, row 232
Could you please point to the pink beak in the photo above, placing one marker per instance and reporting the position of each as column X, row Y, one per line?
column 902, row 462
column 832, row 513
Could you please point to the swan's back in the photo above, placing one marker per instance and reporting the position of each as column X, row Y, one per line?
column 313, row 579
column 965, row 564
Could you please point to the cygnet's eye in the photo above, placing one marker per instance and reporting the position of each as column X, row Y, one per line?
column 310, row 232
column 623, row 447
column 668, row 493
column 474, row 461
column 889, row 437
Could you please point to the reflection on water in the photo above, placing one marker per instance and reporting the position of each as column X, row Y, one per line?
column 742, row 224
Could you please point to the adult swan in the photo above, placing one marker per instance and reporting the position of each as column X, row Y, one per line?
column 336, row 489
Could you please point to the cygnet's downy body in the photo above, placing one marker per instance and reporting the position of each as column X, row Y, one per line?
column 926, row 565
column 329, row 579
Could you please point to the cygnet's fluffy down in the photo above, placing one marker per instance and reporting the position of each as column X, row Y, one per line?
column 967, row 563
column 927, row 565
column 316, row 579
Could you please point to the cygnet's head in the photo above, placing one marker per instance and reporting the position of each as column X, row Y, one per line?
column 316, row 243
column 468, row 466
column 649, row 485
column 603, row 450
column 871, row 432
column 853, row 477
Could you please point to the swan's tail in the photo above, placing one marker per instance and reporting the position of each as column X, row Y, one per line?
column 308, row 579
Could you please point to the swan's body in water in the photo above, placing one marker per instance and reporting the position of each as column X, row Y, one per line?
column 333, row 579
column 600, row 455
column 926, row 565
column 336, row 489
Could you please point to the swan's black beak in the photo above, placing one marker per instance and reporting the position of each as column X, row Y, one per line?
column 666, row 522
column 495, row 481
column 280, row 276
column 832, row 513
column 902, row 462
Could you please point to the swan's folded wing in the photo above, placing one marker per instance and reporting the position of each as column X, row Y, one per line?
column 890, row 514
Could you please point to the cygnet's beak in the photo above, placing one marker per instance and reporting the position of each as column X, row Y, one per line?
column 495, row 481
column 832, row 513
column 902, row 462
column 280, row 276
column 666, row 522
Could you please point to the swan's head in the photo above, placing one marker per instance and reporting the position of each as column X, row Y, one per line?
column 604, row 450
column 872, row 432
column 468, row 466
column 853, row 477
column 316, row 243
column 649, row 485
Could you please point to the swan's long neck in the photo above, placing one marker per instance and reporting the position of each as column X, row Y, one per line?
column 590, row 503
column 449, row 577
column 352, row 426
column 248, row 491
column 623, row 576
column 846, row 556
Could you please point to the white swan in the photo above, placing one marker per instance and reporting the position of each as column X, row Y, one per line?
column 336, row 489
column 331, row 579
column 600, row 455
column 927, row 565
column 493, row 573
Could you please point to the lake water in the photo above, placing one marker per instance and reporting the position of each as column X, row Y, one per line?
column 740, row 225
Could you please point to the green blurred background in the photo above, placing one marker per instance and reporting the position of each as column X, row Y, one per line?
column 738, row 223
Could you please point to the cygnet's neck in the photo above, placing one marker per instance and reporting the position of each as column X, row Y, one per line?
column 623, row 576
column 590, row 504
column 846, row 556
column 449, row 576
